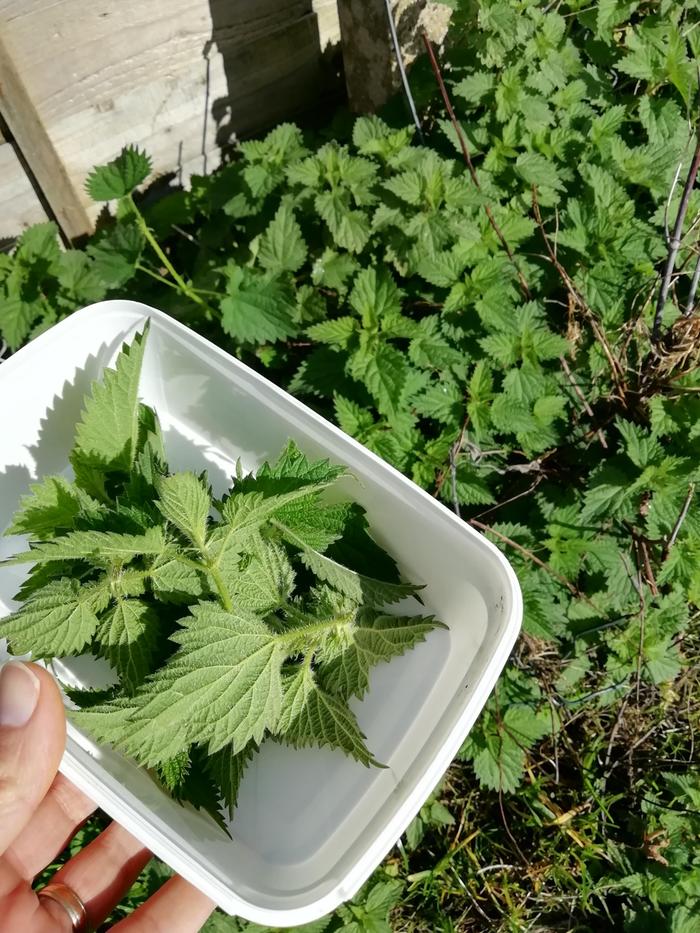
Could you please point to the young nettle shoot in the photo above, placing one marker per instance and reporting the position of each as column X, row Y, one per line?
column 227, row 621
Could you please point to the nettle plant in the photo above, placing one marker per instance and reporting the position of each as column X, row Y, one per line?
column 274, row 630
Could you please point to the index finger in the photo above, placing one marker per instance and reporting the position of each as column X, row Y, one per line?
column 177, row 905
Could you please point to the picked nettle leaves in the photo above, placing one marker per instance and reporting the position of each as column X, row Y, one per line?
column 227, row 621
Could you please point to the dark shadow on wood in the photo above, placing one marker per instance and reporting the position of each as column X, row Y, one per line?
column 274, row 65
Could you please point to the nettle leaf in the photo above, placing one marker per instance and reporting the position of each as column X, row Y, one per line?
column 311, row 715
column 471, row 484
column 177, row 581
column 443, row 268
column 266, row 582
column 282, row 247
column 337, row 332
column 227, row 768
column 640, row 447
column 128, row 637
column 333, row 269
column 102, row 546
column 351, row 417
column 38, row 246
column 372, row 136
column 408, row 187
column 360, row 588
column 223, row 686
column 610, row 493
column 375, row 296
column 349, row 227
column 120, row 177
column 256, row 310
column 497, row 750
column 316, row 525
column 442, row 401
column 78, row 277
column 115, row 253
column 174, row 772
column 431, row 349
column 385, row 373
column 475, row 87
column 536, row 169
column 245, row 512
column 108, row 432
column 374, row 639
column 291, row 471
column 185, row 503
column 51, row 507
column 16, row 319
column 369, row 911
column 59, row 620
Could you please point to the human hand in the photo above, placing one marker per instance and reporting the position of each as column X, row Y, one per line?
column 40, row 811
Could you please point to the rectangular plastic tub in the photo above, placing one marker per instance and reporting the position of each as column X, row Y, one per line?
column 311, row 825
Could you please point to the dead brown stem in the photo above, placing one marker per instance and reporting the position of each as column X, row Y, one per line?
column 616, row 370
column 582, row 398
column 434, row 64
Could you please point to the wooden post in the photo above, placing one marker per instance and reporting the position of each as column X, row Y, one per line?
column 371, row 71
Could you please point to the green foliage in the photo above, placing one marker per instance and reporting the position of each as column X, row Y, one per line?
column 273, row 636
column 490, row 339
column 662, row 880
column 120, row 177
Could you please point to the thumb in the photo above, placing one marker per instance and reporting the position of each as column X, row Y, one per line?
column 32, row 738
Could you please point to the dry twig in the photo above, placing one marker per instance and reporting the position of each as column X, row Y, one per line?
column 679, row 521
column 675, row 242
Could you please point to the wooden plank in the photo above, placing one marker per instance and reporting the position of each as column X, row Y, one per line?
column 19, row 205
column 31, row 136
column 371, row 70
column 179, row 77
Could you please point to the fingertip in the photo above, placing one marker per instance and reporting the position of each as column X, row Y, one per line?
column 50, row 697
column 19, row 694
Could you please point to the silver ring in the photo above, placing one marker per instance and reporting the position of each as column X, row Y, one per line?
column 70, row 902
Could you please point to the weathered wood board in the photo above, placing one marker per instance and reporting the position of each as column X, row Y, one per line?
column 19, row 205
column 178, row 77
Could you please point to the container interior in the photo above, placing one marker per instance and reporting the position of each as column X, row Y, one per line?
column 310, row 824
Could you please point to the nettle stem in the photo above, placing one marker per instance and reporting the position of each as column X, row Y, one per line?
column 209, row 568
column 157, row 249
column 310, row 636
column 224, row 595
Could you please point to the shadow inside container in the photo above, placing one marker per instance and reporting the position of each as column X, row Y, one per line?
column 47, row 455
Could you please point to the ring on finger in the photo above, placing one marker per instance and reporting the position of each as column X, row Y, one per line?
column 70, row 902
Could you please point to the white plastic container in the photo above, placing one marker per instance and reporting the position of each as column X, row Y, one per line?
column 311, row 825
